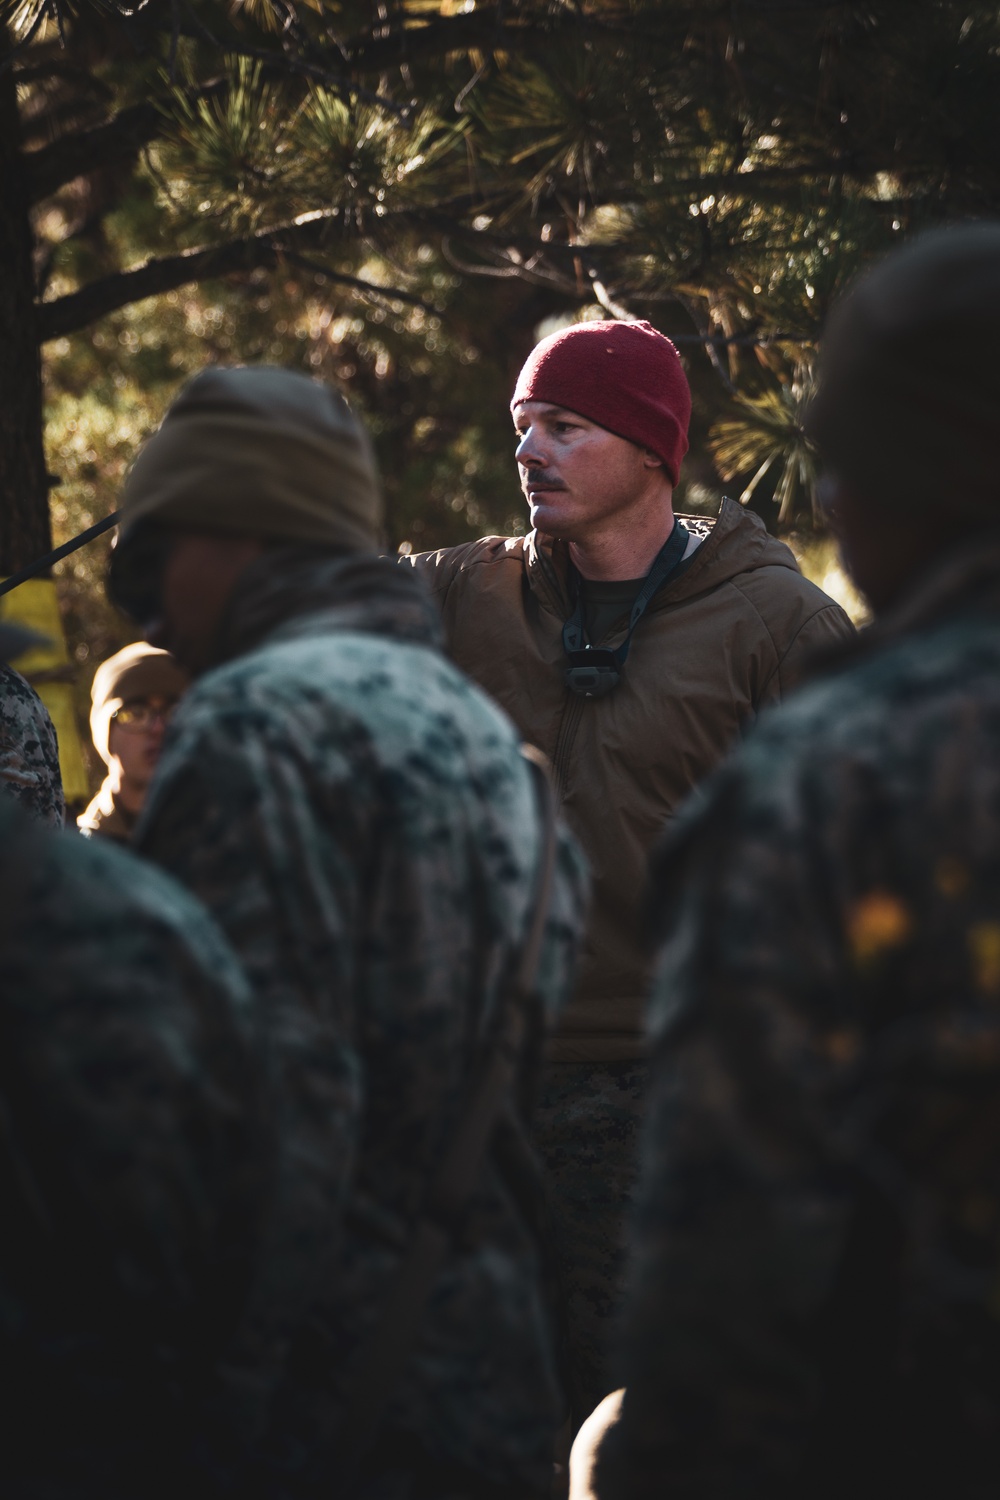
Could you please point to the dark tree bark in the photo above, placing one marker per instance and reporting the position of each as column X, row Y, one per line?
column 24, row 511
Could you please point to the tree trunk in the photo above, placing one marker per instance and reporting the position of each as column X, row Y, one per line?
column 24, row 495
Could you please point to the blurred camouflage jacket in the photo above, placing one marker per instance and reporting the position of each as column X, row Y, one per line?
column 359, row 818
column 816, row 1276
column 29, row 754
column 130, row 1168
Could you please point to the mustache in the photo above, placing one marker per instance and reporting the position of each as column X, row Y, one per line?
column 534, row 479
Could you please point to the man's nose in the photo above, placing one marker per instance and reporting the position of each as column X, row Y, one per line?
column 529, row 451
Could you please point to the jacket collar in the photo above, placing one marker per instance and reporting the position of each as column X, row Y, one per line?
column 737, row 543
column 293, row 591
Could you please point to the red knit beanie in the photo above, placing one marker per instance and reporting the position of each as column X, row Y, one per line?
column 623, row 376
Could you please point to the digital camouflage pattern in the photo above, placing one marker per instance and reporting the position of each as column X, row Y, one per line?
column 816, row 1304
column 359, row 818
column 29, row 752
column 130, row 1172
column 586, row 1127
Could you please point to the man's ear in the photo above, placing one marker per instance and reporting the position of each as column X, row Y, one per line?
column 651, row 460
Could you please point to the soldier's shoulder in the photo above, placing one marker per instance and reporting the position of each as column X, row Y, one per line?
column 75, row 896
column 341, row 702
column 21, row 709
column 884, row 715
column 29, row 750
column 878, row 690
column 15, row 689
column 442, row 568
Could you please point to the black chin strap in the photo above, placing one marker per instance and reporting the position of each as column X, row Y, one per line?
column 593, row 673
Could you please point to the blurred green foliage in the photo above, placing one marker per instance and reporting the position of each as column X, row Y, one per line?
column 424, row 187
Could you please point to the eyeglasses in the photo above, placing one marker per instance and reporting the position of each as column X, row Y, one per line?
column 143, row 715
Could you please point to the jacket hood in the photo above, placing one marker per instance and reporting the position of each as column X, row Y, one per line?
column 737, row 543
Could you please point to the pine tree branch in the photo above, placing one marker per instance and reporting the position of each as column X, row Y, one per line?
column 59, row 67
column 488, row 30
column 268, row 249
column 124, row 135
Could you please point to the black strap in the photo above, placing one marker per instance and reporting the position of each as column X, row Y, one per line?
column 594, row 672
column 383, row 1358
column 41, row 563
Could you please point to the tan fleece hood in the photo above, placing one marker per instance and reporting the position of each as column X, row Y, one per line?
column 137, row 671
column 260, row 452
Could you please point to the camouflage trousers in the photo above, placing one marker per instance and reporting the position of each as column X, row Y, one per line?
column 586, row 1127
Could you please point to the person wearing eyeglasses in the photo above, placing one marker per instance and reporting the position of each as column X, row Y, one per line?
column 133, row 696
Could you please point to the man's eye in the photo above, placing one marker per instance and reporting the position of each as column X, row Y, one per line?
column 565, row 426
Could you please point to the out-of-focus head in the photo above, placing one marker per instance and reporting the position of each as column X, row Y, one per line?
column 259, row 452
column 15, row 640
column 245, row 459
column 908, row 406
column 125, row 686
column 598, row 408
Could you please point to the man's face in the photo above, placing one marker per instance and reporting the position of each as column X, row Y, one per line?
column 574, row 474
column 135, row 738
column 200, row 573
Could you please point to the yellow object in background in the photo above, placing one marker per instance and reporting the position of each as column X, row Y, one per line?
column 49, row 670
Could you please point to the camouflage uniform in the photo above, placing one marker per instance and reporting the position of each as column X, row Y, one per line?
column 129, row 1173
column 29, row 754
column 358, row 817
column 816, row 1305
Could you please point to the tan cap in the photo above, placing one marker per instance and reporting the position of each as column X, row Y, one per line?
column 137, row 671
column 909, row 396
column 260, row 452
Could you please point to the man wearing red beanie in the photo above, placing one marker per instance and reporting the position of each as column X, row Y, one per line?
column 633, row 650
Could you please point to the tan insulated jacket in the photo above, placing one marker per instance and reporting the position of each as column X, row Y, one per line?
column 726, row 637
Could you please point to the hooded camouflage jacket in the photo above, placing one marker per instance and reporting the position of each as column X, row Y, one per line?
column 131, row 1171
column 816, row 1305
column 358, row 817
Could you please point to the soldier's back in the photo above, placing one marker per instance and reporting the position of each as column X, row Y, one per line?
column 819, row 1225
column 29, row 753
column 131, row 1175
column 360, row 819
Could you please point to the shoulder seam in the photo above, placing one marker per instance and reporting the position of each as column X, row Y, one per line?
column 823, row 609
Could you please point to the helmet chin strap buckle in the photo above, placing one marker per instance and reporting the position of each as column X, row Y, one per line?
column 593, row 674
